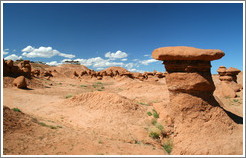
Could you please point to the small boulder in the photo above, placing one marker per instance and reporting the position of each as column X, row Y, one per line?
column 20, row 82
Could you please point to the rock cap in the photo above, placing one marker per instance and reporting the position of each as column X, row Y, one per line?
column 186, row 53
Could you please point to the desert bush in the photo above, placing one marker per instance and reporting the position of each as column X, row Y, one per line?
column 155, row 114
column 143, row 104
column 99, row 90
column 69, row 96
column 83, row 85
column 159, row 126
column 149, row 113
column 153, row 121
column 154, row 133
column 16, row 109
column 99, row 83
column 168, row 146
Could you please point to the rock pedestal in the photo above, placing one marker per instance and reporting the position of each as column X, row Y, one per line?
column 228, row 86
column 188, row 74
column 193, row 114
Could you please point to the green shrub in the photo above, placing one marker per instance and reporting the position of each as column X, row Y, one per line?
column 155, row 114
column 153, row 122
column 235, row 100
column 154, row 135
column 154, row 132
column 83, row 85
column 99, row 90
column 149, row 113
column 159, row 126
column 99, row 83
column 16, row 109
column 69, row 96
column 167, row 146
column 102, row 87
column 143, row 104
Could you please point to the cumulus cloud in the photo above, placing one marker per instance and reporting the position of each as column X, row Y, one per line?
column 98, row 62
column 43, row 52
column 124, row 59
column 5, row 52
column 146, row 55
column 117, row 55
column 129, row 65
column 146, row 62
column 53, row 63
column 13, row 57
column 100, row 68
column 135, row 70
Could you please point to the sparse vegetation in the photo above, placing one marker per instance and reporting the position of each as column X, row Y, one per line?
column 99, row 90
column 16, row 109
column 149, row 113
column 99, row 83
column 153, row 122
column 235, row 100
column 155, row 114
column 154, row 135
column 83, row 85
column 100, row 141
column 159, row 126
column 167, row 146
column 69, row 96
column 143, row 104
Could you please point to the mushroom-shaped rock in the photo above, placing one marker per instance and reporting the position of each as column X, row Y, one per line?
column 221, row 70
column 191, row 88
column 20, row 82
column 186, row 53
column 231, row 71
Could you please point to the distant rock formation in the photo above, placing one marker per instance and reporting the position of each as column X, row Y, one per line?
column 228, row 86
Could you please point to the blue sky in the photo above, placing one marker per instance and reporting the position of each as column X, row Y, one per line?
column 103, row 35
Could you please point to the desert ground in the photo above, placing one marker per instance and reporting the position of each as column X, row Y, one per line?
column 67, row 114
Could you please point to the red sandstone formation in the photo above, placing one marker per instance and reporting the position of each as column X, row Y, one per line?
column 228, row 86
column 192, row 104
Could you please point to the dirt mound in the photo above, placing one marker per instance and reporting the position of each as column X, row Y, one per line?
column 15, row 120
column 105, row 101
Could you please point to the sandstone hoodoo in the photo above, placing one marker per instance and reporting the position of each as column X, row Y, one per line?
column 192, row 106
column 228, row 86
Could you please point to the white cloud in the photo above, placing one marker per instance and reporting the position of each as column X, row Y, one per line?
column 117, row 55
column 135, row 60
column 13, row 57
column 129, row 65
column 124, row 59
column 98, row 62
column 146, row 55
column 53, row 63
column 135, row 70
column 43, row 52
column 146, row 62
column 14, row 50
column 6, row 49
column 100, row 68
column 5, row 52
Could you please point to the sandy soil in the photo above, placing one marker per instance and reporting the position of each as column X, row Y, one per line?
column 69, row 116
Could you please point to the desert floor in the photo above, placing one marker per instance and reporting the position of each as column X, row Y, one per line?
column 80, row 117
